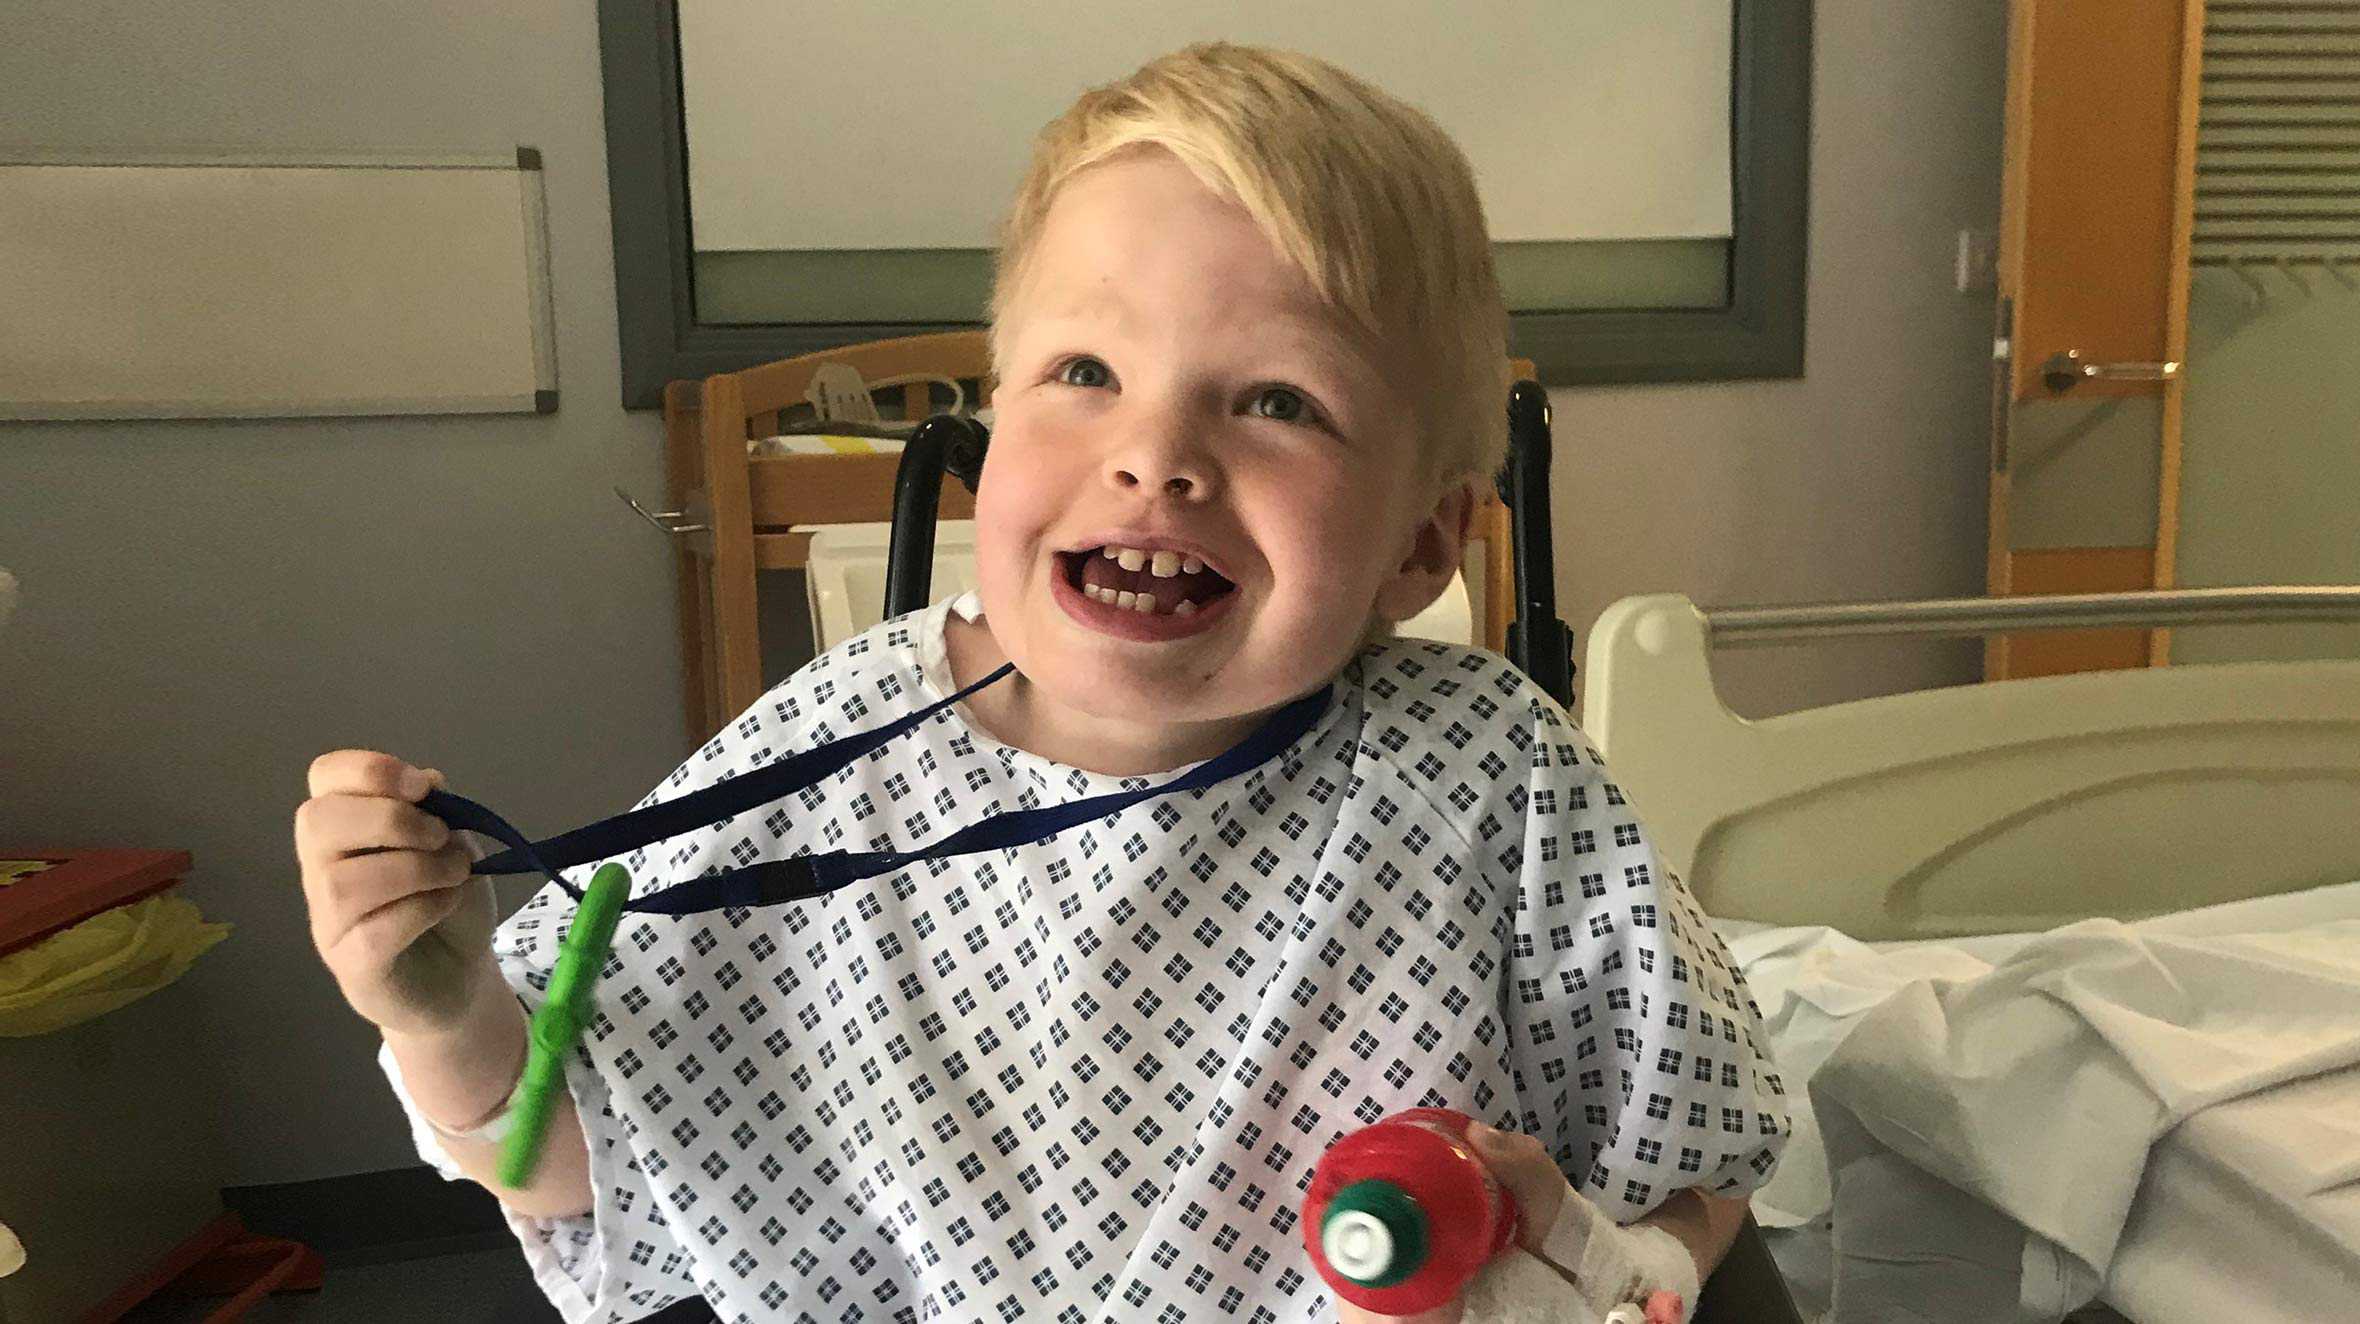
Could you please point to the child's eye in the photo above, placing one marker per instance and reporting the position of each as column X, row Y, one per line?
column 1085, row 371
column 1283, row 404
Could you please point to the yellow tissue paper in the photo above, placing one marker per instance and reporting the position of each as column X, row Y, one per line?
column 107, row 961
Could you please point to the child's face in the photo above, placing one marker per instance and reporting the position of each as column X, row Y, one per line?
column 1172, row 386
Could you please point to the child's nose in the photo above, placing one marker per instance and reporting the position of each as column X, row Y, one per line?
column 1174, row 485
column 1163, row 464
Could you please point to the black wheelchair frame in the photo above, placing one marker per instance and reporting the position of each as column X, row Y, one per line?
column 1747, row 1286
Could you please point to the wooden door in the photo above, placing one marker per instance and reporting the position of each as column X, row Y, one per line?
column 2096, row 216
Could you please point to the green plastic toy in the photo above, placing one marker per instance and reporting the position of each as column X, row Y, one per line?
column 557, row 1026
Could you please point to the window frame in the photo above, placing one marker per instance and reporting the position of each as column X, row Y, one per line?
column 1758, row 333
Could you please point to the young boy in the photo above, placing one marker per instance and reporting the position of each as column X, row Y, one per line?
column 1251, row 368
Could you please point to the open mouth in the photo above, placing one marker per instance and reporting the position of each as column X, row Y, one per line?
column 1149, row 583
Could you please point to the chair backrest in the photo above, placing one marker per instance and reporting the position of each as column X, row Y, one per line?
column 904, row 371
column 748, row 505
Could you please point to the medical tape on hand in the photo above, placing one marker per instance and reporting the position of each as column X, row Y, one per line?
column 1612, row 1264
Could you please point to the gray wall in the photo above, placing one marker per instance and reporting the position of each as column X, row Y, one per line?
column 1865, row 478
column 208, row 605
column 2270, row 457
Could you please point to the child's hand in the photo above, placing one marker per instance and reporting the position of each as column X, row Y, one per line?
column 1524, row 1170
column 395, row 914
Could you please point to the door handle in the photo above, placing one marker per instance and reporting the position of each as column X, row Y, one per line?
column 2067, row 369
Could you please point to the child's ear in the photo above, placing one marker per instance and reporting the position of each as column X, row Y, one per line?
column 1436, row 549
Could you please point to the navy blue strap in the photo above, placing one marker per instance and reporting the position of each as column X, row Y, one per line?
column 772, row 882
column 608, row 838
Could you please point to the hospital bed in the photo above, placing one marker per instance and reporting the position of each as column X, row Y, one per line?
column 2071, row 964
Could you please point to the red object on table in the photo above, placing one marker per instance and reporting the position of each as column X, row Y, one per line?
column 77, row 885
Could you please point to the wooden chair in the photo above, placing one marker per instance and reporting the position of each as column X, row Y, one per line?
column 735, row 510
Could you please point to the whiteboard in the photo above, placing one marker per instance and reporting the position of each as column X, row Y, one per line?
column 906, row 123
column 242, row 287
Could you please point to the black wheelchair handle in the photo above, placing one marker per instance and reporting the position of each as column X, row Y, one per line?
column 1539, row 644
column 945, row 443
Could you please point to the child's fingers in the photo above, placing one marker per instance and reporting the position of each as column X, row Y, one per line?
column 348, row 892
column 335, row 827
column 1522, row 1165
column 373, row 941
column 1661, row 1308
column 369, row 772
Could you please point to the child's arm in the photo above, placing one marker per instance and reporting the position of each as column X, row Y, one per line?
column 461, row 1076
column 1706, row 1224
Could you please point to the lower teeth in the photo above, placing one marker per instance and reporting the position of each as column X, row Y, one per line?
column 1143, row 603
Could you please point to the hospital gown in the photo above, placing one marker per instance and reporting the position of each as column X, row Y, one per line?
column 1087, row 1079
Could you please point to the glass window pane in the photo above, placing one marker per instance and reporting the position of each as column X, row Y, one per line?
column 935, row 285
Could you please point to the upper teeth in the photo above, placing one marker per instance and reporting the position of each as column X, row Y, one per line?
column 1163, row 565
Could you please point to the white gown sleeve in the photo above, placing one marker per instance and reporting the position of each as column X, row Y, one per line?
column 1639, row 1056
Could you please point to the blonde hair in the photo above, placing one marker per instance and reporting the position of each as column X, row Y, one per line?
column 1363, row 192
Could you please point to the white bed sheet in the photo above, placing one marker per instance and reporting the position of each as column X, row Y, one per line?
column 2273, row 1180
column 2272, row 1177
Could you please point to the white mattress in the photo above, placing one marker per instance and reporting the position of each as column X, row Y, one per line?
column 2270, row 1180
